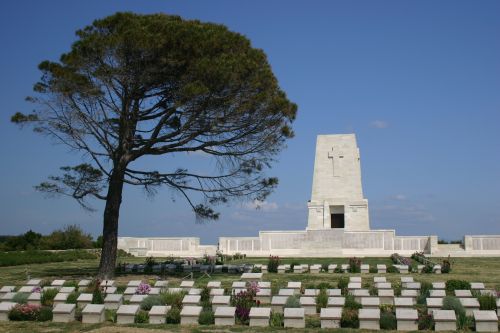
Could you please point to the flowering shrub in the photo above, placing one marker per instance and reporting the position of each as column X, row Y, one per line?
column 143, row 289
column 36, row 290
column 272, row 264
column 244, row 301
column 25, row 312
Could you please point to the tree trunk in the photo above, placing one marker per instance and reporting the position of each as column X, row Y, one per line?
column 110, row 224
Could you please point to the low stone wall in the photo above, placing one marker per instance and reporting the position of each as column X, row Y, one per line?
column 165, row 246
column 326, row 243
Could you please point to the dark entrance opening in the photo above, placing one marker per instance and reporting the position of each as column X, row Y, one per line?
column 337, row 221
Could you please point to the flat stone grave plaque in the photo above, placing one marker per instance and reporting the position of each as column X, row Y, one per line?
column 463, row 293
column 260, row 316
column 191, row 300
column 369, row 318
column 63, row 313
column 225, row 316
column 190, row 314
column 308, row 304
column 126, row 314
column 158, row 313
column 406, row 319
column 294, row 317
column 336, row 302
column 486, row 320
column 330, row 317
column 445, row 320
column 93, row 314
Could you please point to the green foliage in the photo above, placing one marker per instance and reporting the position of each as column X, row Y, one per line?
column 292, row 302
column 487, row 302
column 343, row 283
column 425, row 321
column 464, row 322
column 324, row 285
column 39, row 257
column 349, row 318
column 373, row 269
column 350, row 303
column 392, row 269
column 424, row 292
column 71, row 283
column 141, row 317
column 373, row 290
column 110, row 315
column 70, row 237
column 276, row 320
column 452, row 285
column 205, row 295
column 321, row 299
column 174, row 315
column 388, row 321
column 20, row 298
column 272, row 264
column 97, row 296
column 151, row 301
column 313, row 322
column 47, row 296
column 453, row 303
column 354, row 265
column 27, row 241
column 72, row 297
column 45, row 313
column 206, row 317
column 173, row 299
column 324, row 267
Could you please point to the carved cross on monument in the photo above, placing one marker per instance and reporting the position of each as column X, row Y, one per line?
column 336, row 157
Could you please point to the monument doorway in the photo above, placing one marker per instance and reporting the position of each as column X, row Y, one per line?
column 337, row 221
column 337, row 218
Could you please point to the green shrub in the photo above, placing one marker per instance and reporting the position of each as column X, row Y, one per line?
column 72, row 297
column 277, row 319
column 174, row 316
column 388, row 321
column 97, row 297
column 292, row 302
column 313, row 322
column 205, row 294
column 321, row 300
column 349, row 318
column 425, row 321
column 464, row 322
column 324, row 285
column 354, row 265
column 452, row 303
column 173, row 299
column 45, row 314
column 47, row 296
column 452, row 285
column 78, row 314
column 350, row 303
column 425, row 288
column 373, row 269
column 70, row 283
column 20, row 298
column 373, row 290
column 487, row 302
column 273, row 263
column 392, row 269
column 142, row 317
column 343, row 282
column 324, row 267
column 110, row 315
column 16, row 258
column 150, row 301
column 206, row 317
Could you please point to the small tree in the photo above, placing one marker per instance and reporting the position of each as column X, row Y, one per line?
column 134, row 86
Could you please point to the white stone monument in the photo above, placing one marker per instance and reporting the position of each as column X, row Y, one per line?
column 337, row 196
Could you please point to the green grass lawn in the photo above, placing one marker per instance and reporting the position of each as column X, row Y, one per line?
column 485, row 270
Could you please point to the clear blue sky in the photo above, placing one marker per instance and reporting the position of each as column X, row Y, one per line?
column 417, row 81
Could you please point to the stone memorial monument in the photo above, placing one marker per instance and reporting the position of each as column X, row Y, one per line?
column 338, row 222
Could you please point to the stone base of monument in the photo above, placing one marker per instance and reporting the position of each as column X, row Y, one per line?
column 294, row 318
column 486, row 321
column 259, row 317
column 330, row 317
column 308, row 304
column 126, row 314
column 190, row 314
column 445, row 320
column 157, row 314
column 225, row 316
column 113, row 301
column 407, row 319
column 369, row 319
column 93, row 314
